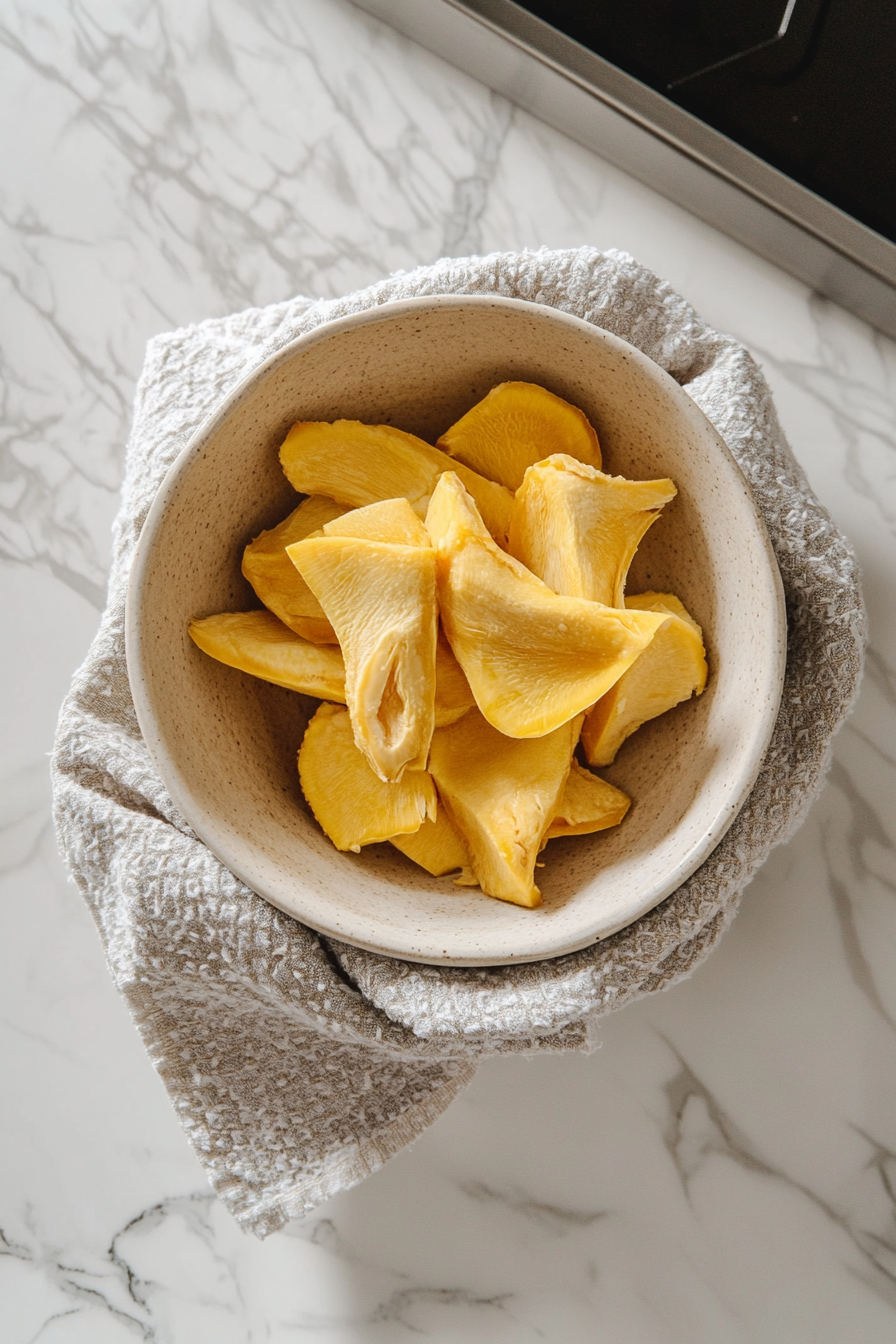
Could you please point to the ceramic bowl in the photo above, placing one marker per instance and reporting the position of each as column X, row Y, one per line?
column 225, row 743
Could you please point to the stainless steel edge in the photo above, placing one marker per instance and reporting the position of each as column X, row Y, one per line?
column 660, row 144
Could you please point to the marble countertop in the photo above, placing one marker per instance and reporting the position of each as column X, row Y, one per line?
column 724, row 1167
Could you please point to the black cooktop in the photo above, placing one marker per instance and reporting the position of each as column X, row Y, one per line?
column 808, row 85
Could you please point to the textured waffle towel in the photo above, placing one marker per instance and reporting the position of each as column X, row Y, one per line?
column 298, row 1065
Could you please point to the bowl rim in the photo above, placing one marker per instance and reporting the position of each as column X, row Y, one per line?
column 203, row 822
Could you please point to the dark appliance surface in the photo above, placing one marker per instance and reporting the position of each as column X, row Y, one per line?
column 807, row 85
column 772, row 120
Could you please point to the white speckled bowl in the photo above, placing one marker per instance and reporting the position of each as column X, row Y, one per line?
column 225, row 744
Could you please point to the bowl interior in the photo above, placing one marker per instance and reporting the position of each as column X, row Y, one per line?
column 226, row 744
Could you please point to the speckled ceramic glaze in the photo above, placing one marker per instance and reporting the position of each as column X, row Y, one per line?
column 226, row 743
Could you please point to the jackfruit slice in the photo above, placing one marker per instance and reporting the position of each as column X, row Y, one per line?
column 353, row 806
column 670, row 670
column 533, row 659
column 256, row 642
column 502, row 794
column 360, row 464
column 381, row 600
column 438, row 847
column 274, row 577
column 578, row 529
column 390, row 520
column 453, row 694
column 516, row 425
column 588, row 804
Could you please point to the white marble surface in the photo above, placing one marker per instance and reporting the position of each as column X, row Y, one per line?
column 724, row 1168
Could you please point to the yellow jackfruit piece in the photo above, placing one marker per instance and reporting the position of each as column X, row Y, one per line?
column 533, row 659
column 670, row 670
column 453, row 694
column 352, row 804
column 516, row 425
column 578, row 529
column 502, row 794
column 391, row 520
column 256, row 642
column 361, row 464
column 438, row 847
column 381, row 600
column 587, row 804
column 274, row 577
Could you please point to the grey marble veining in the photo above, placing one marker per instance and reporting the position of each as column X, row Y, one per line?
column 724, row 1167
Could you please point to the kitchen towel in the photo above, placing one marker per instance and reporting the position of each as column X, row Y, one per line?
column 299, row 1065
